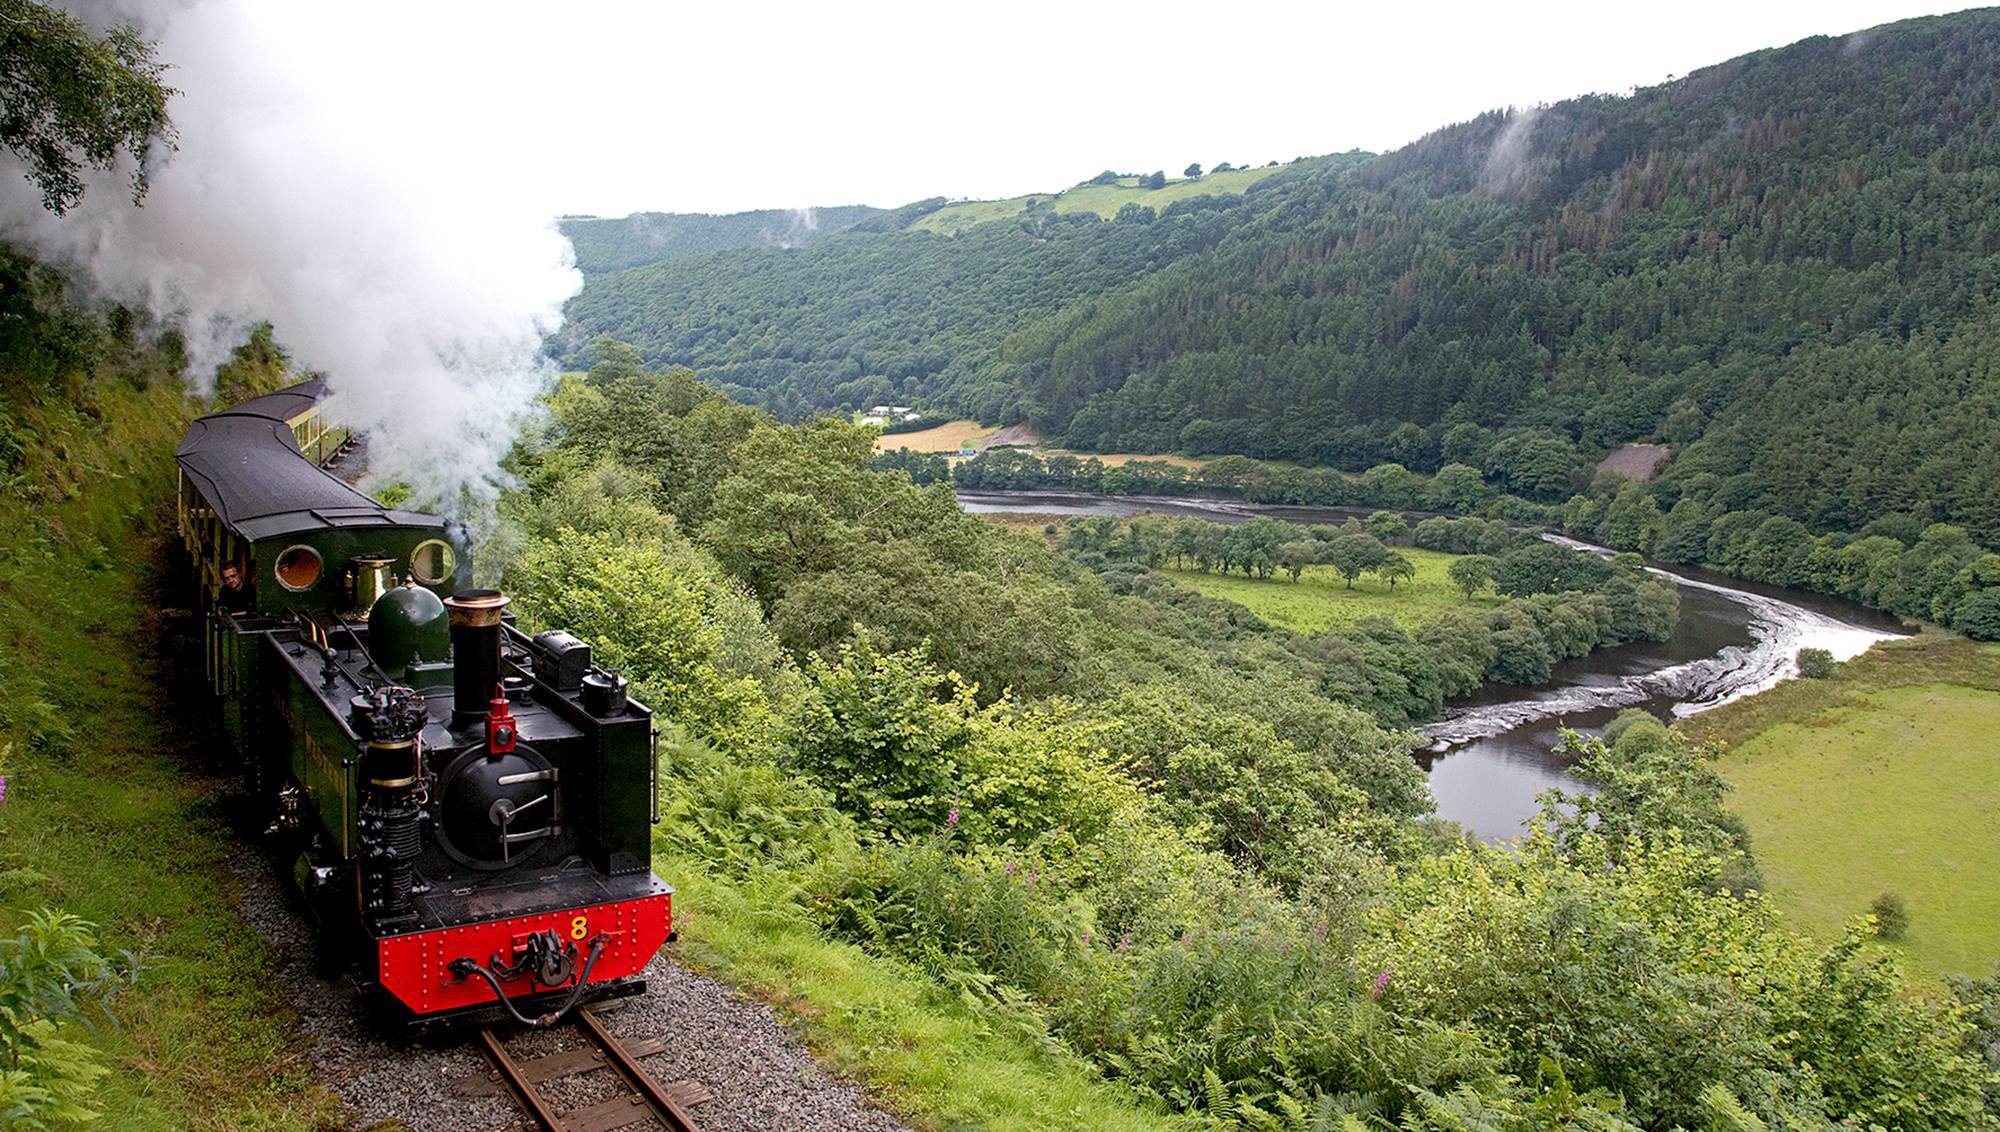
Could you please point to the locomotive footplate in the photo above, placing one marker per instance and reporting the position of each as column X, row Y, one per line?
column 538, row 961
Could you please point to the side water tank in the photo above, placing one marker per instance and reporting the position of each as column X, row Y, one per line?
column 407, row 625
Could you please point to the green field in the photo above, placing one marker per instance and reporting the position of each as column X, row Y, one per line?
column 1320, row 599
column 1104, row 200
column 1885, row 779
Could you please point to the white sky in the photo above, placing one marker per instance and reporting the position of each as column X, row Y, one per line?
column 610, row 108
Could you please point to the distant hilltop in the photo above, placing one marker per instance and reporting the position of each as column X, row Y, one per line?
column 651, row 237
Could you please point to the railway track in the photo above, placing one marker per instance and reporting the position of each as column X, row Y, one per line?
column 643, row 1104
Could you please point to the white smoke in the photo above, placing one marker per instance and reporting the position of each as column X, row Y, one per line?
column 800, row 224
column 419, row 290
column 1505, row 171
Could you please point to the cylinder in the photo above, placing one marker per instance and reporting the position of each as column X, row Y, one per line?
column 475, row 651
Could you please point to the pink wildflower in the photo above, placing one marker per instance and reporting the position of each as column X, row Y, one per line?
column 1381, row 983
column 952, row 817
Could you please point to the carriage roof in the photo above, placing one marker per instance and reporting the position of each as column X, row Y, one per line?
column 245, row 461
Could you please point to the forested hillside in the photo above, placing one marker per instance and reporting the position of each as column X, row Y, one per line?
column 604, row 244
column 1783, row 266
column 883, row 312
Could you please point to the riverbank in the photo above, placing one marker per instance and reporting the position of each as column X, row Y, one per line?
column 1883, row 779
column 1751, row 644
column 1493, row 753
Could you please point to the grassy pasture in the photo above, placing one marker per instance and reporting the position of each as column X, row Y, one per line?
column 1104, row 200
column 948, row 437
column 1883, row 779
column 1320, row 599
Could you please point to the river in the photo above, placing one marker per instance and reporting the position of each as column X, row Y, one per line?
column 1492, row 753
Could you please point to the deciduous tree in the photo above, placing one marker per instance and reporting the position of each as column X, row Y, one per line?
column 71, row 100
column 1472, row 573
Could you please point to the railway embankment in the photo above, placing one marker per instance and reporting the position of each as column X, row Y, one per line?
column 108, row 814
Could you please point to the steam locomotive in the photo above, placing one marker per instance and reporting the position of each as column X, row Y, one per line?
column 466, row 808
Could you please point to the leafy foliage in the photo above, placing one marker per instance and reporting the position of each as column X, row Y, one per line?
column 70, row 99
column 53, row 974
column 1647, row 780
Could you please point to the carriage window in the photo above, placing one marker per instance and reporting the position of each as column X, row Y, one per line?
column 432, row 562
column 298, row 568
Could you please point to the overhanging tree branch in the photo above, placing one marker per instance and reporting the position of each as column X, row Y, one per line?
column 70, row 99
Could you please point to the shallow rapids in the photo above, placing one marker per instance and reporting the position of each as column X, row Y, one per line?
column 1777, row 629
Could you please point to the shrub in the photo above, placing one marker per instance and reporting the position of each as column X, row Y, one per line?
column 1816, row 664
column 1892, row 916
column 1626, row 720
column 52, row 973
column 1978, row 616
column 886, row 735
column 1980, row 998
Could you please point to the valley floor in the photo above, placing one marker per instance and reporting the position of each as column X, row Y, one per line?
column 1883, row 779
column 1321, row 598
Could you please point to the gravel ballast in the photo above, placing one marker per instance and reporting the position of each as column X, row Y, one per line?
column 758, row 1075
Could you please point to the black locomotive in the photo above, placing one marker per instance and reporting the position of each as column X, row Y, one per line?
column 467, row 808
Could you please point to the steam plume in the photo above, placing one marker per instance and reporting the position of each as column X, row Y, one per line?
column 1506, row 171
column 420, row 291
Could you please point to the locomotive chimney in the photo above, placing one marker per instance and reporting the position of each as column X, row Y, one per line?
column 475, row 651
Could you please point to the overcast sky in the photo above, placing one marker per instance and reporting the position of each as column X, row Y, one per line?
column 722, row 107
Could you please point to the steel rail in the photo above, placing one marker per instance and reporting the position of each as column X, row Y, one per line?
column 645, row 1097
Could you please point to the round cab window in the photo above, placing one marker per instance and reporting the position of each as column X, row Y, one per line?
column 432, row 562
column 298, row 568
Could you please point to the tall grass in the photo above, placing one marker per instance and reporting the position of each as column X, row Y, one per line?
column 107, row 813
